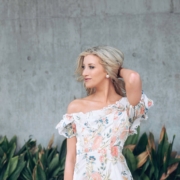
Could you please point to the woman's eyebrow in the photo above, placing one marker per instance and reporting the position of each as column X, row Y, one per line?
column 89, row 64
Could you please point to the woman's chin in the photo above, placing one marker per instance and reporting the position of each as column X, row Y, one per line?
column 89, row 86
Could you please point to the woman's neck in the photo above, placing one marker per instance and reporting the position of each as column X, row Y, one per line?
column 106, row 93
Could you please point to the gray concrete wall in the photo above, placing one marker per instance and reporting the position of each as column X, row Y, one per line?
column 41, row 39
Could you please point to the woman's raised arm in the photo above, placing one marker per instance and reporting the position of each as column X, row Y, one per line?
column 133, row 85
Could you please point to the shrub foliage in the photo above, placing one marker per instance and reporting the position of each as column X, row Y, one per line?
column 31, row 162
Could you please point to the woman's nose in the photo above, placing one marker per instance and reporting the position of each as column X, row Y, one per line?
column 85, row 72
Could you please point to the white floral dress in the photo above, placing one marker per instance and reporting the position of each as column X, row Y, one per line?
column 100, row 138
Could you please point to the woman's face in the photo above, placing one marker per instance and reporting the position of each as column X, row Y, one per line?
column 93, row 72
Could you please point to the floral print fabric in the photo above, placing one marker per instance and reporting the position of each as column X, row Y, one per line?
column 100, row 138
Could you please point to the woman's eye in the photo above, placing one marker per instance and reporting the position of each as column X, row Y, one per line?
column 82, row 67
column 91, row 67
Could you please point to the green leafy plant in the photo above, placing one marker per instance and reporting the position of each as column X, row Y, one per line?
column 163, row 161
column 31, row 162
column 10, row 164
column 148, row 163
column 44, row 164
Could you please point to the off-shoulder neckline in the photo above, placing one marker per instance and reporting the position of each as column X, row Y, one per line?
column 96, row 110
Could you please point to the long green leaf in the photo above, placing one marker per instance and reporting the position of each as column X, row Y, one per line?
column 26, row 173
column 167, row 155
column 173, row 161
column 54, row 163
column 4, row 144
column 17, row 172
column 1, row 152
column 160, row 147
column 141, row 145
column 145, row 177
column 13, row 140
column 59, row 170
column 3, row 160
column 2, row 171
column 144, row 167
column 21, row 164
column 154, row 171
column 51, row 153
column 56, row 172
column 151, row 171
column 43, row 160
column 11, row 167
column 39, row 173
column 30, row 159
column 11, row 151
column 130, row 159
column 63, row 149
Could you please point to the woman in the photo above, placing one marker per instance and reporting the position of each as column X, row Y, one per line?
column 98, row 125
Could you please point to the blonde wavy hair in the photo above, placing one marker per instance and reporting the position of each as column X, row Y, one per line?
column 111, row 59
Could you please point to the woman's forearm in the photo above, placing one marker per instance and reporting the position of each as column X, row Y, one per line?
column 69, row 170
column 70, row 157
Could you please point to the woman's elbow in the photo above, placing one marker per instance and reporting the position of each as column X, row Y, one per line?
column 134, row 78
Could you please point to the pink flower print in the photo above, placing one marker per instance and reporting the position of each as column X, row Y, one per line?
column 104, row 119
column 69, row 117
column 96, row 176
column 142, row 110
column 123, row 135
column 103, row 151
column 86, row 150
column 116, row 116
column 108, row 111
column 102, row 158
column 113, row 140
column 149, row 103
column 114, row 151
column 96, row 143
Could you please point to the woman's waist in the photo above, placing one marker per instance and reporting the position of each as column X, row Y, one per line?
column 110, row 150
column 101, row 156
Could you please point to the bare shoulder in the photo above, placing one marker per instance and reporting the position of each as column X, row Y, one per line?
column 75, row 106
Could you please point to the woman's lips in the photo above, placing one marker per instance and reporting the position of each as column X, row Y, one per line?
column 87, row 79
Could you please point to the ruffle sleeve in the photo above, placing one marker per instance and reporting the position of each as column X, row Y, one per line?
column 138, row 113
column 64, row 127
